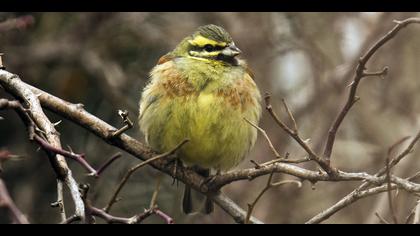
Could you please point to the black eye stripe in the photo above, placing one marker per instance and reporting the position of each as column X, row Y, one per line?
column 211, row 48
column 208, row 47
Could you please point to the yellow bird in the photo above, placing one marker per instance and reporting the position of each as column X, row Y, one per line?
column 203, row 92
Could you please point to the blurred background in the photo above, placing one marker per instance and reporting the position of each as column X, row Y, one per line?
column 102, row 60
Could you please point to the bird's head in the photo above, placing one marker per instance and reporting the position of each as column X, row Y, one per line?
column 208, row 43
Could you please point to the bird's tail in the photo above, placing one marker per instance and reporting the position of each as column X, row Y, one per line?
column 191, row 198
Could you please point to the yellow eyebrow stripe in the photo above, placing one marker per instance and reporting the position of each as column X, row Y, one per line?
column 200, row 41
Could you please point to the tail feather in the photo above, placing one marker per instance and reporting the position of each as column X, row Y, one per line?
column 189, row 197
column 187, row 205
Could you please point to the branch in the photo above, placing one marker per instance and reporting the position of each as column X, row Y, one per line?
column 19, row 89
column 80, row 158
column 417, row 213
column 262, row 131
column 352, row 197
column 265, row 189
column 134, row 169
column 359, row 75
column 389, row 190
column 76, row 114
column 128, row 124
column 294, row 134
column 7, row 202
column 110, row 219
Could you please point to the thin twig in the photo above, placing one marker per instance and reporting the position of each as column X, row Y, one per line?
column 128, row 124
column 262, row 131
column 80, row 158
column 71, row 219
column 290, row 114
column 60, row 199
column 155, row 193
column 7, row 202
column 134, row 169
column 416, row 219
column 389, row 190
column 15, row 86
column 381, row 219
column 358, row 76
column 353, row 196
column 108, row 163
column 265, row 189
column 312, row 155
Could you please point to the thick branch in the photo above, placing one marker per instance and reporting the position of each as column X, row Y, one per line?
column 19, row 89
column 78, row 115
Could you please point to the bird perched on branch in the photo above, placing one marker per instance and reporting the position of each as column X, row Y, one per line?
column 202, row 91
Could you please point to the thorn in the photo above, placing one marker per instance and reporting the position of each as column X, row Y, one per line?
column 93, row 174
column 349, row 85
column 57, row 123
column 71, row 150
column 56, row 204
column 307, row 141
column 256, row 165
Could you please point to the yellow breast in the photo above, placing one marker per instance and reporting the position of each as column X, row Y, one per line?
column 212, row 119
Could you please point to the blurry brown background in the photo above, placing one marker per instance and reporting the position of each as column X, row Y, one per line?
column 102, row 60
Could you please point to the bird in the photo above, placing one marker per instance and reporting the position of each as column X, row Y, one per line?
column 202, row 91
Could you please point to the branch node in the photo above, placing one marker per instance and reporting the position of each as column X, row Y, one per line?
column 126, row 120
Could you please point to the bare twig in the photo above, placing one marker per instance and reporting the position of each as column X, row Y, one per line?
column 389, row 190
column 134, row 169
column 71, row 219
column 92, row 211
column 164, row 216
column 12, row 84
column 128, row 124
column 381, row 219
column 353, row 196
column 270, row 144
column 155, row 193
column 416, row 219
column 80, row 158
column 359, row 75
column 265, row 189
column 7, row 202
column 108, row 163
column 294, row 134
column 78, row 115
column 290, row 114
column 60, row 199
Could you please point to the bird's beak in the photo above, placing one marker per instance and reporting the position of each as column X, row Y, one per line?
column 231, row 51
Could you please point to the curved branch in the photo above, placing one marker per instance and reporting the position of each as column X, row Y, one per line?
column 76, row 114
column 6, row 202
column 19, row 89
column 359, row 75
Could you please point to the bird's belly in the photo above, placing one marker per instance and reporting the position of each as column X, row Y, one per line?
column 219, row 137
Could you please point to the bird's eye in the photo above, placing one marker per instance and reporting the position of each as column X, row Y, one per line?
column 208, row 47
